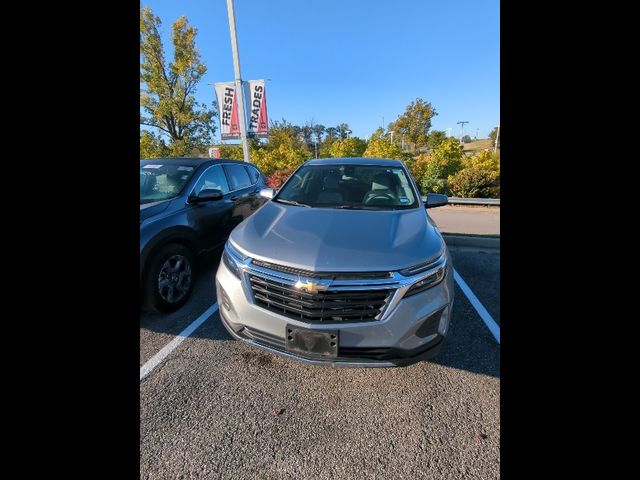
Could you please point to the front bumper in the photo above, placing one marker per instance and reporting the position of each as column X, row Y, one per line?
column 412, row 332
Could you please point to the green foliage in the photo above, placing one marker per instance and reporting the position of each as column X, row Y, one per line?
column 466, row 139
column 415, row 123
column 343, row 131
column 349, row 147
column 450, row 151
column 167, row 99
column 381, row 147
column 233, row 152
column 318, row 131
column 152, row 146
column 283, row 157
column 485, row 160
column 431, row 170
column 324, row 150
column 435, row 138
column 474, row 183
column 284, row 150
column 480, row 177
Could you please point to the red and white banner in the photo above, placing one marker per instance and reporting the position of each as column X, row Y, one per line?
column 228, row 111
column 256, row 100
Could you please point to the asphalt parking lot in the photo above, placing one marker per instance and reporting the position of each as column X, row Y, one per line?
column 217, row 408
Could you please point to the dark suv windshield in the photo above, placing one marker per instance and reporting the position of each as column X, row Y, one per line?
column 366, row 187
column 161, row 181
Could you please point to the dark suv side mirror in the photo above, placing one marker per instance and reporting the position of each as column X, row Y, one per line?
column 435, row 200
column 206, row 195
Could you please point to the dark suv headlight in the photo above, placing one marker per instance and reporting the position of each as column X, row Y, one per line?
column 233, row 259
column 435, row 271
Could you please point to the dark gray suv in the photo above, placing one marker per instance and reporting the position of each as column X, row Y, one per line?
column 342, row 266
column 188, row 206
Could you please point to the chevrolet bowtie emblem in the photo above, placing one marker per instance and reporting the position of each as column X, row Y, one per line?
column 310, row 286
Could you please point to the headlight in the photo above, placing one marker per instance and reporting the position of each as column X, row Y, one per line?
column 435, row 272
column 233, row 259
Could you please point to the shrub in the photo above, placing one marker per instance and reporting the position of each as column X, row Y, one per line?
column 233, row 152
column 475, row 183
column 485, row 160
column 432, row 170
column 277, row 178
column 379, row 146
column 349, row 147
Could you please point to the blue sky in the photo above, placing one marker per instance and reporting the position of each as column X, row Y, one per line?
column 354, row 61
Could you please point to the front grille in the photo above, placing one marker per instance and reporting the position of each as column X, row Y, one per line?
column 323, row 275
column 325, row 307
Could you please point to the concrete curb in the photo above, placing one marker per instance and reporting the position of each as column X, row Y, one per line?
column 471, row 241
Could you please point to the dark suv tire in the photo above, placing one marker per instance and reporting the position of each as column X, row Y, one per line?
column 168, row 279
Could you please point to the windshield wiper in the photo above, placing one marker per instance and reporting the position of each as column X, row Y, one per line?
column 356, row 207
column 292, row 202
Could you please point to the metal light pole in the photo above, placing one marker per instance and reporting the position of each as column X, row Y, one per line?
column 495, row 147
column 449, row 134
column 238, row 79
column 462, row 128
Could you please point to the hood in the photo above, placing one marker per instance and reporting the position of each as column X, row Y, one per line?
column 148, row 210
column 332, row 240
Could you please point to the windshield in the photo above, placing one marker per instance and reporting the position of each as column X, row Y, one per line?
column 361, row 187
column 161, row 181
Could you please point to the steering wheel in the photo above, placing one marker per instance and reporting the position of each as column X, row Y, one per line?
column 381, row 196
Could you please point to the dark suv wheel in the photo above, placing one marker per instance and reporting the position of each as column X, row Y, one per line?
column 168, row 279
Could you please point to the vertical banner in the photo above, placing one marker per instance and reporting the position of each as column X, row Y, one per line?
column 258, row 124
column 228, row 111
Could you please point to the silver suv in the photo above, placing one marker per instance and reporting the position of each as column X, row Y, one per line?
column 342, row 266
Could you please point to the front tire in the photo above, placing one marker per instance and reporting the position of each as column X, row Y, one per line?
column 168, row 279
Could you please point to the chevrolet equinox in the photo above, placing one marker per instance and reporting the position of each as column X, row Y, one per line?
column 341, row 266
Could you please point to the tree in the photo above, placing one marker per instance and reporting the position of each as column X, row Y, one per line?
column 343, row 131
column 152, row 146
column 492, row 136
column 435, row 138
column 381, row 147
column 284, row 149
column 349, row 147
column 415, row 123
column 306, row 132
column 432, row 170
column 331, row 132
column 318, row 131
column 466, row 139
column 167, row 99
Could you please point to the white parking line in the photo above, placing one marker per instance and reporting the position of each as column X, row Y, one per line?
column 494, row 328
column 167, row 349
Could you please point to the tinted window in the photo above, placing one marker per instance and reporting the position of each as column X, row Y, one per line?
column 213, row 178
column 254, row 174
column 238, row 176
column 161, row 181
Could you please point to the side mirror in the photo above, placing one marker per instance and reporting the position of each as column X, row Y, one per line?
column 435, row 200
column 206, row 195
column 267, row 193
